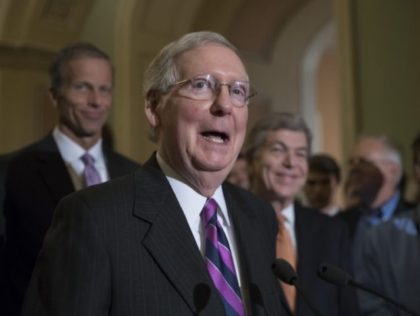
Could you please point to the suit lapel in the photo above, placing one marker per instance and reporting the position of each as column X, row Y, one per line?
column 250, row 253
column 304, row 238
column 111, row 164
column 306, row 246
column 53, row 170
column 169, row 239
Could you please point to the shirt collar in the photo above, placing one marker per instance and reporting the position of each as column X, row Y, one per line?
column 385, row 212
column 388, row 209
column 72, row 151
column 289, row 214
column 333, row 210
column 190, row 200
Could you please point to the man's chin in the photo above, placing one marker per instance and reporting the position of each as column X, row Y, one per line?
column 86, row 133
column 211, row 165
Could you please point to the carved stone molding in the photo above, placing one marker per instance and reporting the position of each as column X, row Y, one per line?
column 57, row 9
column 24, row 58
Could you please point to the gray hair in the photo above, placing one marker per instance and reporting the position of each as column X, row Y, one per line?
column 274, row 122
column 162, row 72
column 392, row 151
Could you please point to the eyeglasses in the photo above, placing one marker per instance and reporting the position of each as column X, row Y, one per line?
column 206, row 87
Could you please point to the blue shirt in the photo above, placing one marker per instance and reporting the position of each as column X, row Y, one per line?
column 366, row 222
column 385, row 212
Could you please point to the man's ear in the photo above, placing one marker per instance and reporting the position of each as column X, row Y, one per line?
column 151, row 104
column 52, row 96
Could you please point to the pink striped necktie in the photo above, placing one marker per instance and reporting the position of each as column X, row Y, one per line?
column 90, row 173
column 220, row 262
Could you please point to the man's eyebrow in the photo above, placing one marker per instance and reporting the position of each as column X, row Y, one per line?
column 279, row 142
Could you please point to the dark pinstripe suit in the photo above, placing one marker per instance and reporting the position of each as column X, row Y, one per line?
column 125, row 248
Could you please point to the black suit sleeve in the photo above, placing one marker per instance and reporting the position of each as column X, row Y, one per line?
column 72, row 275
column 347, row 296
column 372, row 275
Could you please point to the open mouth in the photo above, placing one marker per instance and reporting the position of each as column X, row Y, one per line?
column 216, row 137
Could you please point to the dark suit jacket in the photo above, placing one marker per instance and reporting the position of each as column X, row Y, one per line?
column 125, row 248
column 4, row 163
column 37, row 179
column 351, row 216
column 391, row 258
column 321, row 238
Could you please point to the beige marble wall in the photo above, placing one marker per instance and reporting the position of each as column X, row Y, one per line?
column 369, row 34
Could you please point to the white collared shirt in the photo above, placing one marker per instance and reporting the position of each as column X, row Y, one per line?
column 332, row 211
column 289, row 222
column 192, row 204
column 71, row 152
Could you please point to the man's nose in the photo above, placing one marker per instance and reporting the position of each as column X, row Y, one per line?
column 222, row 103
column 95, row 97
column 289, row 159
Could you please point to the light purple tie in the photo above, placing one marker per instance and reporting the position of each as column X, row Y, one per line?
column 90, row 173
column 220, row 262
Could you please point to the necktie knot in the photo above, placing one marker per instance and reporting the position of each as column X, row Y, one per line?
column 209, row 212
column 90, row 173
column 88, row 159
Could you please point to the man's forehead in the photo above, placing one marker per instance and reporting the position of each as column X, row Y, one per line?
column 289, row 138
column 369, row 148
column 211, row 58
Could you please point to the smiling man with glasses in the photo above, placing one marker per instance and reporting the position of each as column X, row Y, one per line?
column 172, row 239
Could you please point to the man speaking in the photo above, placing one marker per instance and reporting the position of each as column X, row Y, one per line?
column 172, row 239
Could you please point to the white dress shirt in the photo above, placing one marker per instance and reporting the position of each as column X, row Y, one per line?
column 192, row 204
column 71, row 152
column 332, row 211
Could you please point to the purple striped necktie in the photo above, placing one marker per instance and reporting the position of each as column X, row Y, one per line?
column 220, row 262
column 90, row 173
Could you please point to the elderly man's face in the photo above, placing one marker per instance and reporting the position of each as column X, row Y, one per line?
column 202, row 137
column 373, row 150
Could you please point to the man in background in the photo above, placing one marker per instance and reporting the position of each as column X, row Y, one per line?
column 322, row 184
column 170, row 239
column 239, row 174
column 390, row 257
column 69, row 158
column 277, row 149
column 387, row 201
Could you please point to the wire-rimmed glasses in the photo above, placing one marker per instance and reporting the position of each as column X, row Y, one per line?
column 206, row 87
